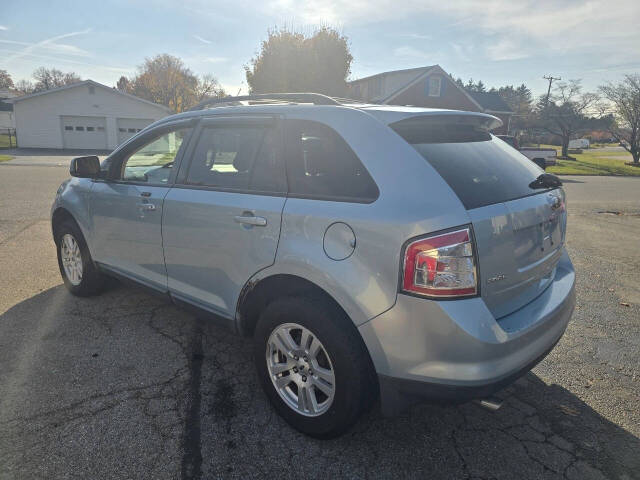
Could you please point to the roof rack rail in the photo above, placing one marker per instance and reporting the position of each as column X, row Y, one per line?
column 343, row 100
column 315, row 98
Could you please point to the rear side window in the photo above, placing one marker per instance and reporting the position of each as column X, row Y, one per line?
column 479, row 168
column 320, row 164
column 239, row 158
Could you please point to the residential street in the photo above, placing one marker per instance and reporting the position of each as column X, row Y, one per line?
column 126, row 386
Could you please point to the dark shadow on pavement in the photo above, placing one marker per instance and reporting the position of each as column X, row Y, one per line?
column 125, row 385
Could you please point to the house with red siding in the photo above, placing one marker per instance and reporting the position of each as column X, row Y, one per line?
column 430, row 87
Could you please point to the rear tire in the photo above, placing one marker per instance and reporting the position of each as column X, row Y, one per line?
column 324, row 340
column 79, row 273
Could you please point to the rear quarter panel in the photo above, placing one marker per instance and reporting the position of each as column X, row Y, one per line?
column 413, row 200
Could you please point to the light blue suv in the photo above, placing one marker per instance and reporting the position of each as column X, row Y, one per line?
column 368, row 250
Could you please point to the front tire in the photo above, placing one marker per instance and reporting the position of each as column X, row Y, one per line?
column 78, row 271
column 312, row 365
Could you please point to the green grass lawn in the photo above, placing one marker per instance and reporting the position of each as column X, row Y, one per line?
column 4, row 141
column 595, row 161
column 4, row 158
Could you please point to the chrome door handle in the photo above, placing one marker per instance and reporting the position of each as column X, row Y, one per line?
column 147, row 207
column 251, row 220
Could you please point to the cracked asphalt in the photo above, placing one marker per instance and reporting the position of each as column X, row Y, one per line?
column 125, row 385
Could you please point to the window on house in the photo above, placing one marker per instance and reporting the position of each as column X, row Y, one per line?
column 434, row 86
column 90, row 129
column 101, row 129
column 92, row 89
column 68, row 128
column 79, row 129
column 122, row 130
column 132, row 130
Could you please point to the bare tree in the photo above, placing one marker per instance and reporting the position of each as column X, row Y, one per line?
column 48, row 78
column 207, row 87
column 24, row 86
column 624, row 103
column 566, row 112
column 6, row 82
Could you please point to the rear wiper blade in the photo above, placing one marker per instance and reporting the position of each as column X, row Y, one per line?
column 546, row 180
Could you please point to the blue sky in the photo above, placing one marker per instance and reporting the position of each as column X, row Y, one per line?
column 496, row 41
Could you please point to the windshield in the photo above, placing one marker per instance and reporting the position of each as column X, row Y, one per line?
column 480, row 168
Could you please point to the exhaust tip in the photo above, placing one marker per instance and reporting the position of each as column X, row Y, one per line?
column 490, row 404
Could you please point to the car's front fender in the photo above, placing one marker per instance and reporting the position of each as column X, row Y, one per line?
column 73, row 199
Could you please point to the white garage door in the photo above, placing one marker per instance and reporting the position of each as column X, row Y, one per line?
column 84, row 132
column 128, row 127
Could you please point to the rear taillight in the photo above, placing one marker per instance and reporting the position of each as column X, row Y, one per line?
column 441, row 265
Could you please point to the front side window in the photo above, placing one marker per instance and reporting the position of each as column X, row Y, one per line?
column 321, row 164
column 239, row 158
column 153, row 162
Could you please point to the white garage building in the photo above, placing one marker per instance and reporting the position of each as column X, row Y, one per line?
column 84, row 115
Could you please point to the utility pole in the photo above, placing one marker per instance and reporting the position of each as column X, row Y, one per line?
column 551, row 79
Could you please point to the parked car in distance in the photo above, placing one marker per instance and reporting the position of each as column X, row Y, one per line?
column 579, row 143
column 543, row 157
column 367, row 250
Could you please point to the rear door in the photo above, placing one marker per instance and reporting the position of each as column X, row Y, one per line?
column 518, row 229
column 222, row 218
column 127, row 207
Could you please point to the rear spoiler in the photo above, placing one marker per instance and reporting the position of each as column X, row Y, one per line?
column 479, row 121
column 446, row 128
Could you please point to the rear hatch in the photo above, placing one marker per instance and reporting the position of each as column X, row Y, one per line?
column 518, row 224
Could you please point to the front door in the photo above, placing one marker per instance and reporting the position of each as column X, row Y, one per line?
column 127, row 208
column 222, row 218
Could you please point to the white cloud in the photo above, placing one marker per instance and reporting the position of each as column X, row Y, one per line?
column 414, row 36
column 50, row 46
column 463, row 52
column 55, row 60
column 408, row 51
column 506, row 49
column 203, row 40
column 549, row 25
column 2, row 27
column 215, row 59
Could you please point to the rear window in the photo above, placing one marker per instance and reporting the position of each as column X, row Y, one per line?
column 479, row 168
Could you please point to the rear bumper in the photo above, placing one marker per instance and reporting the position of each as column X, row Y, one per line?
column 456, row 350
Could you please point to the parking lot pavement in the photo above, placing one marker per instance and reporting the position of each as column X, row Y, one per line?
column 126, row 386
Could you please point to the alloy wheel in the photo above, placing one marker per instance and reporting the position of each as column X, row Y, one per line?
column 300, row 369
column 71, row 259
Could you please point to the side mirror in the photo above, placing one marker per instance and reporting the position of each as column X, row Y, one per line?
column 85, row 167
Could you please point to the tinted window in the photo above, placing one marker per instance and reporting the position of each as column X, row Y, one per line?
column 153, row 162
column 480, row 169
column 321, row 164
column 241, row 158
